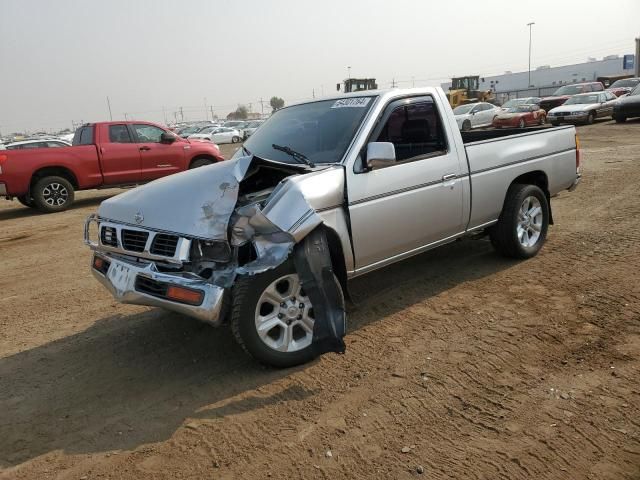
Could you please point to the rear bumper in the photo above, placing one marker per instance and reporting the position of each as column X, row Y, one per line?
column 121, row 279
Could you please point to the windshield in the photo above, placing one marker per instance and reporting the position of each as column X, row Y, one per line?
column 583, row 100
column 462, row 109
column 321, row 131
column 568, row 90
column 514, row 102
column 627, row 82
column 520, row 109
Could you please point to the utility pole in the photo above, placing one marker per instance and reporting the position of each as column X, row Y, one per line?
column 313, row 93
column 636, row 60
column 349, row 73
column 211, row 108
column 126, row 117
column 109, row 105
column 181, row 114
column 262, row 106
column 393, row 82
column 530, row 24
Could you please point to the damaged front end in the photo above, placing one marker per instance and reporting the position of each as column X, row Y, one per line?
column 180, row 242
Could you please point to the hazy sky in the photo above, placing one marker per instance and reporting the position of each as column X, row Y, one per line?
column 61, row 58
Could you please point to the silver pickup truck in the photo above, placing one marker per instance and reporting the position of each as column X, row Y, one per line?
column 322, row 192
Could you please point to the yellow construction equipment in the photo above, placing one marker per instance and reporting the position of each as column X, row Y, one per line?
column 465, row 90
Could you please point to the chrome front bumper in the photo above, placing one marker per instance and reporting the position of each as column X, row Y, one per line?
column 121, row 275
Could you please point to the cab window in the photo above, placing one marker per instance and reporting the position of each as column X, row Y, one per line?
column 415, row 129
column 119, row 134
column 148, row 133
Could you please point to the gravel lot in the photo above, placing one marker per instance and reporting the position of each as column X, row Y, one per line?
column 459, row 363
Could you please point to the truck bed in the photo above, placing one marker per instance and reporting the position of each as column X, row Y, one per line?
column 496, row 157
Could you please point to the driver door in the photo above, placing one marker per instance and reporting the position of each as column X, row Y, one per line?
column 415, row 202
column 158, row 159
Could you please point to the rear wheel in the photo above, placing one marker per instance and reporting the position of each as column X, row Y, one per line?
column 620, row 119
column 466, row 126
column 236, row 139
column 26, row 200
column 272, row 317
column 591, row 118
column 52, row 194
column 522, row 227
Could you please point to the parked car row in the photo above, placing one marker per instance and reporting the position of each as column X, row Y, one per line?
column 232, row 131
column 579, row 103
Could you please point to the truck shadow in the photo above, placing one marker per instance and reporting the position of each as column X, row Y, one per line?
column 130, row 380
column 20, row 211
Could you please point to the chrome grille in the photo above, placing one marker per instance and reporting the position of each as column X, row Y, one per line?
column 134, row 240
column 109, row 236
column 164, row 245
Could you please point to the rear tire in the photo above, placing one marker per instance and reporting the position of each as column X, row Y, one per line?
column 620, row 119
column 236, row 140
column 52, row 194
column 522, row 226
column 591, row 118
column 256, row 301
column 466, row 126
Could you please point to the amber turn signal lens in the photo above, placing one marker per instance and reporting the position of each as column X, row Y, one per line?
column 98, row 263
column 185, row 295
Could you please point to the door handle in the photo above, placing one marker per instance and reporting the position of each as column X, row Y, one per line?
column 449, row 176
column 144, row 148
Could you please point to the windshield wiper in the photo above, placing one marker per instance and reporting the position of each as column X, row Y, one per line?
column 246, row 150
column 297, row 156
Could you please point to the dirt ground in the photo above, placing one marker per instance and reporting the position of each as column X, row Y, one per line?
column 460, row 364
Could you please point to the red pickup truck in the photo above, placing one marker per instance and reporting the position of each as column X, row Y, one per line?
column 105, row 154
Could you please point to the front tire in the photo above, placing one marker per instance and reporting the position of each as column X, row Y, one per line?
column 52, row 194
column 236, row 139
column 200, row 162
column 591, row 118
column 522, row 227
column 272, row 317
column 521, row 124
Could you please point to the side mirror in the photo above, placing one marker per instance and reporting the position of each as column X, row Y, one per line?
column 380, row 155
column 167, row 137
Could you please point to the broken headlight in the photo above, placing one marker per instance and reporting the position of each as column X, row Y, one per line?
column 208, row 250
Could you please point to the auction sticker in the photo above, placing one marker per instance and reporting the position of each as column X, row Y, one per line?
column 356, row 102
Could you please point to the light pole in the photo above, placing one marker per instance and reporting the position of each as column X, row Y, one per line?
column 349, row 73
column 530, row 25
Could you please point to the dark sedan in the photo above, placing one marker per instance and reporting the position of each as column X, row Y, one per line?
column 627, row 106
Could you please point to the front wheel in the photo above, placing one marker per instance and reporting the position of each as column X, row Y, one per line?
column 620, row 119
column 200, row 162
column 52, row 194
column 521, row 124
column 522, row 227
column 235, row 139
column 272, row 317
column 591, row 118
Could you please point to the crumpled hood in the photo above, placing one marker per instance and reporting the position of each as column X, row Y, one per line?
column 198, row 201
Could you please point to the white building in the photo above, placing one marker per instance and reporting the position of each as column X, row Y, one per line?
column 546, row 79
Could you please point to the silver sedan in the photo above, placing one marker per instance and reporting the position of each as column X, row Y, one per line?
column 583, row 108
